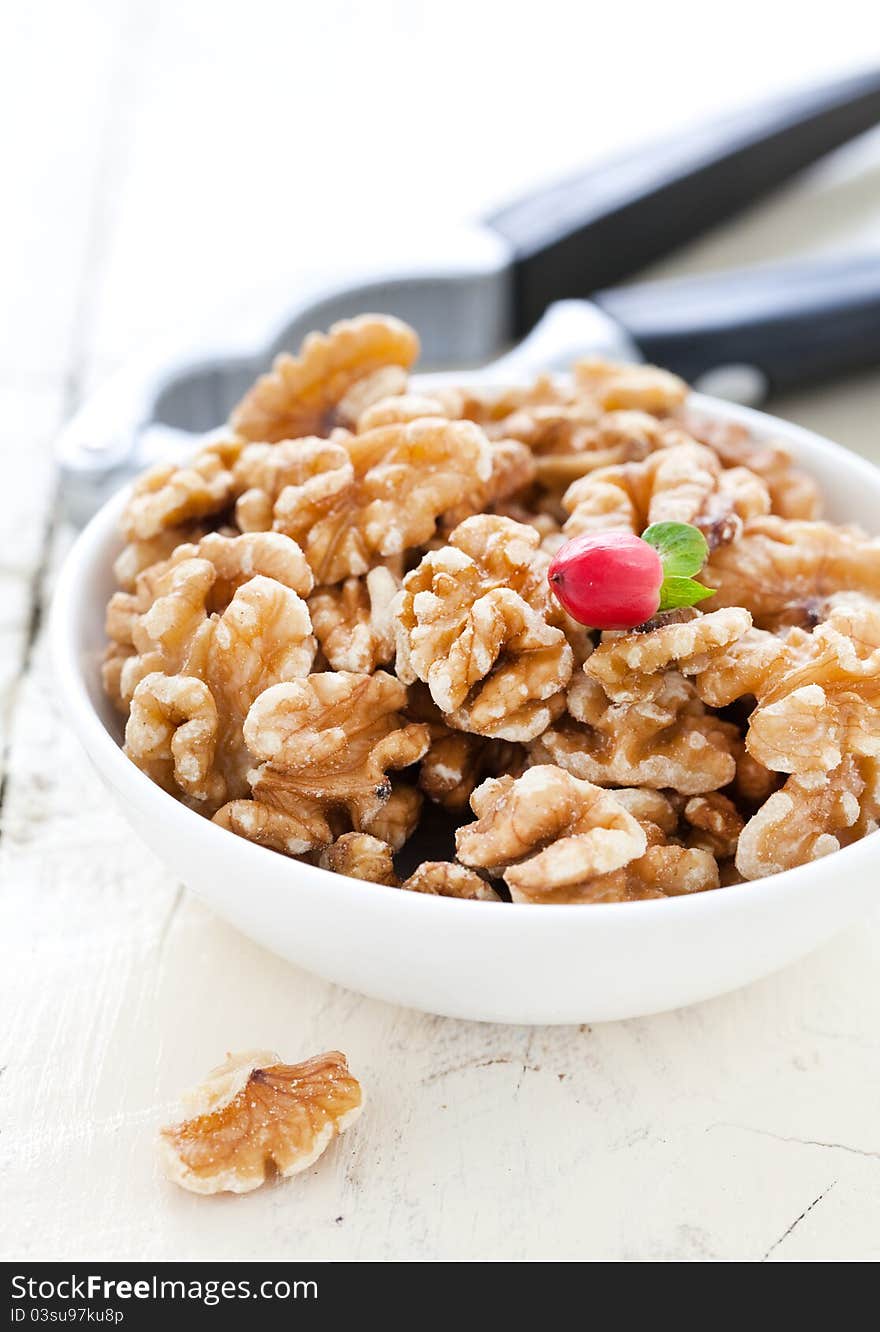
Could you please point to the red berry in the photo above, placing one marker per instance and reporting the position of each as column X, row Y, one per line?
column 607, row 580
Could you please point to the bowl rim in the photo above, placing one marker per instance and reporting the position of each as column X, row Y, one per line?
column 123, row 776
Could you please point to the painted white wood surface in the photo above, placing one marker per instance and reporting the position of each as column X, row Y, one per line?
column 158, row 157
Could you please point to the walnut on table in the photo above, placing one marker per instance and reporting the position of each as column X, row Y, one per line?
column 325, row 745
column 313, row 392
column 812, row 816
column 667, row 739
column 784, row 571
column 473, row 624
column 684, row 483
column 352, row 502
column 254, row 1116
column 546, row 833
column 793, row 492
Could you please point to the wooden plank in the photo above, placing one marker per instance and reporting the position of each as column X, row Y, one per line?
column 30, row 416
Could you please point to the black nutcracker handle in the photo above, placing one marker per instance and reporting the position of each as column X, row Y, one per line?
column 789, row 325
column 595, row 229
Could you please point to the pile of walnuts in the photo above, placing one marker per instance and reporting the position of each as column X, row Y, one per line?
column 339, row 610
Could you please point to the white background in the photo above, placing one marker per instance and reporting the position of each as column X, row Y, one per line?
column 160, row 160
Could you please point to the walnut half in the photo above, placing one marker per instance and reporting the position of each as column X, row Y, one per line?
column 360, row 856
column 685, row 484
column 325, row 747
column 355, row 500
column 255, row 1114
column 812, row 816
column 441, row 878
column 303, row 395
column 473, row 622
column 546, row 832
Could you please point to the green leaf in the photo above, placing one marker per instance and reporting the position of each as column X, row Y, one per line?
column 678, row 592
column 681, row 547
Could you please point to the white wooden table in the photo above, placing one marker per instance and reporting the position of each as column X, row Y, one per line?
column 160, row 157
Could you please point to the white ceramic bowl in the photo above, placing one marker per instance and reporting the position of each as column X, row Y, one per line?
column 481, row 960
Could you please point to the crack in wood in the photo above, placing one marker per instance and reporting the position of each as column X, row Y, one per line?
column 484, row 1063
column 526, row 1066
column 796, row 1222
column 36, row 616
column 801, row 1142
